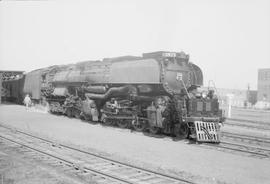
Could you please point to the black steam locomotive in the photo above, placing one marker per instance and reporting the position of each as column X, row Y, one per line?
column 157, row 92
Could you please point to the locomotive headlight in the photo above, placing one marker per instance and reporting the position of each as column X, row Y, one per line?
column 204, row 95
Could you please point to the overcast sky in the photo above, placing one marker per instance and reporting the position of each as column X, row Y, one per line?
column 229, row 40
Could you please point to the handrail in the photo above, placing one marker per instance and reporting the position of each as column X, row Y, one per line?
column 214, row 86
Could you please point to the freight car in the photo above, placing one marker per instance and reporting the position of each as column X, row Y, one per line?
column 36, row 83
column 12, row 89
column 157, row 92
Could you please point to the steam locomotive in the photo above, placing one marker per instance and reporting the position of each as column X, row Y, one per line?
column 158, row 92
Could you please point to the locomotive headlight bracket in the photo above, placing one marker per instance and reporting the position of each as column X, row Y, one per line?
column 184, row 86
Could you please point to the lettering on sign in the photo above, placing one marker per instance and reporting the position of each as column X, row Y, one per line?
column 179, row 76
column 169, row 54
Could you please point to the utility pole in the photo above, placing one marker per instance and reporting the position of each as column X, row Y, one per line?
column 229, row 105
column 0, row 87
column 248, row 92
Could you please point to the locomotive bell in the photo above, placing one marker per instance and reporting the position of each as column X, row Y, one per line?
column 183, row 55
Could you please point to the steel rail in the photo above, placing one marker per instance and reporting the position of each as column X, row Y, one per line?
column 242, row 148
column 249, row 121
column 246, row 137
column 247, row 147
column 248, row 125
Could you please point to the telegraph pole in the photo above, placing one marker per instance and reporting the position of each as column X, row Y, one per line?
column 0, row 87
column 248, row 92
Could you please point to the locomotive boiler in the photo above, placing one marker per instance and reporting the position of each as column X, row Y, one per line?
column 157, row 92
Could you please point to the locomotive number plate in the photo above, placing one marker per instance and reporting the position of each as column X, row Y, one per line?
column 179, row 76
column 169, row 54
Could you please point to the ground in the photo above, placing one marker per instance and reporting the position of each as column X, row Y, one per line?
column 14, row 169
column 189, row 160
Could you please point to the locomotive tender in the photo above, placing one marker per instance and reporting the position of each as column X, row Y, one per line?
column 157, row 92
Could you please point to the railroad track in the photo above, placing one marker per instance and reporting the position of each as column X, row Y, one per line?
column 248, row 124
column 259, row 141
column 87, row 166
column 249, row 121
column 251, row 150
column 250, row 145
column 240, row 148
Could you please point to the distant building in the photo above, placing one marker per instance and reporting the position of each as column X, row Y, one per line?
column 252, row 96
column 264, row 85
column 240, row 98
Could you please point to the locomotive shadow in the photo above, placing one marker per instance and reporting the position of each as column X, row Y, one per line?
column 173, row 138
column 152, row 135
column 187, row 140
